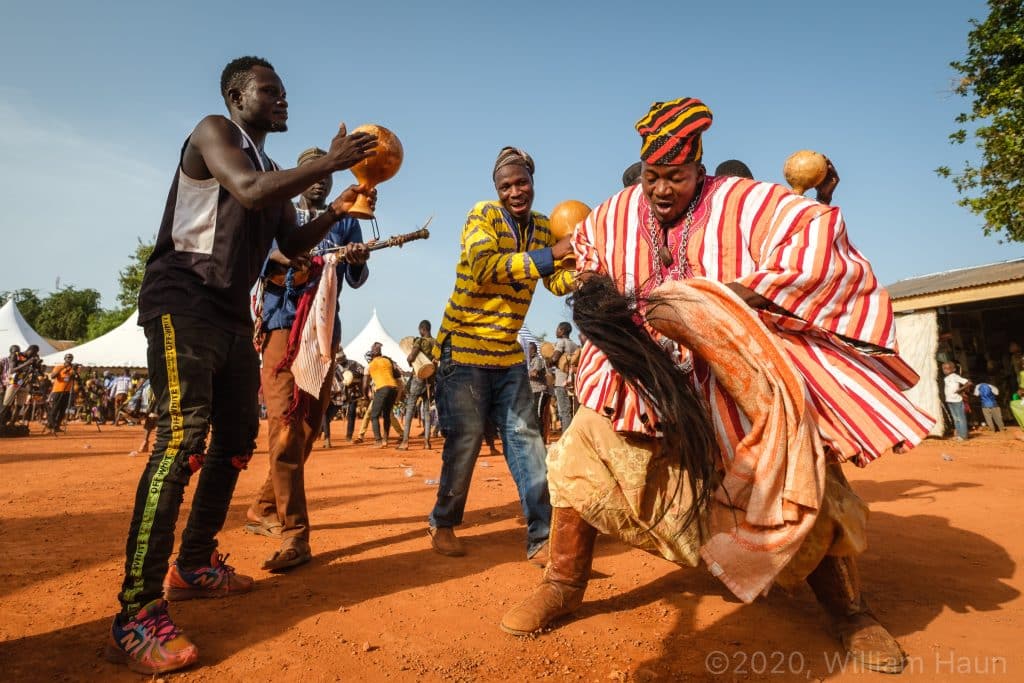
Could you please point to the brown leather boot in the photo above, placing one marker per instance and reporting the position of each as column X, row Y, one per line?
column 836, row 584
column 445, row 541
column 571, row 551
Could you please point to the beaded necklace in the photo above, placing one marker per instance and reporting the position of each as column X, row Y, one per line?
column 661, row 258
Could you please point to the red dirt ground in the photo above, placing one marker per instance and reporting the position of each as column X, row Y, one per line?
column 377, row 603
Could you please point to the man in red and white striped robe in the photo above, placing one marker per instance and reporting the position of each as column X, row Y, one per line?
column 827, row 308
column 811, row 297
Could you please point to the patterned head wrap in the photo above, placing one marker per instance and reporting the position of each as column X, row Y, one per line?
column 509, row 156
column 671, row 131
column 310, row 154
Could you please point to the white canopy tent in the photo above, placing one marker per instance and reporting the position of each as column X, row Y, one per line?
column 14, row 330
column 375, row 332
column 123, row 346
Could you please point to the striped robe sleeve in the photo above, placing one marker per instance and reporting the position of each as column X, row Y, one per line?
column 588, row 259
column 806, row 265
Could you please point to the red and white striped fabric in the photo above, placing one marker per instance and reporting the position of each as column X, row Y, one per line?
column 794, row 252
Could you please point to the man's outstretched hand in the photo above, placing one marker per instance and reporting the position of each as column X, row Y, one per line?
column 343, row 204
column 348, row 150
column 827, row 186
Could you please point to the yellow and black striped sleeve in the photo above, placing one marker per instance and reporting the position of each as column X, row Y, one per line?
column 489, row 247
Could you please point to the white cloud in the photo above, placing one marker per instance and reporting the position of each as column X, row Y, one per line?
column 38, row 138
column 74, row 200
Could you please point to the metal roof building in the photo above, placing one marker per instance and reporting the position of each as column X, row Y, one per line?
column 968, row 316
column 963, row 285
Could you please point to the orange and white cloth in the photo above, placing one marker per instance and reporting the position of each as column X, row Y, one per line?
column 839, row 331
column 773, row 475
column 773, row 478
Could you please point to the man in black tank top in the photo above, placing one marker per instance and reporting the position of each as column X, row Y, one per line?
column 227, row 203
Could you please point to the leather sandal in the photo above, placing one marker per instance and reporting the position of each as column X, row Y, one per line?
column 293, row 555
column 269, row 527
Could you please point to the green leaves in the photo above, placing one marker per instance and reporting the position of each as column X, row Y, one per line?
column 992, row 77
column 75, row 314
column 104, row 321
column 28, row 302
column 130, row 278
column 65, row 313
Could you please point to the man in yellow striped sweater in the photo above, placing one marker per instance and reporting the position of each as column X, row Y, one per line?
column 506, row 249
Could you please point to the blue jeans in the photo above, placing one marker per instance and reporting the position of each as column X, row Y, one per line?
column 564, row 402
column 466, row 397
column 956, row 409
column 417, row 388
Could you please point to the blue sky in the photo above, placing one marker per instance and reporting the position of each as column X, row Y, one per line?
column 96, row 99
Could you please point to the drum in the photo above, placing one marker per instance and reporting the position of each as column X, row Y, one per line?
column 547, row 351
column 567, row 360
column 422, row 366
column 347, row 377
column 372, row 171
column 805, row 169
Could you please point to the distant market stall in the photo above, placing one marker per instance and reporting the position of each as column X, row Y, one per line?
column 968, row 316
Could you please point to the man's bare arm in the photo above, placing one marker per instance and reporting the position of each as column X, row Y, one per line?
column 293, row 240
column 828, row 186
column 214, row 150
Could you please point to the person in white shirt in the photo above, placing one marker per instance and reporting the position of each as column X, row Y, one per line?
column 954, row 387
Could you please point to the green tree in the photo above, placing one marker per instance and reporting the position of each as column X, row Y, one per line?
column 100, row 321
column 130, row 277
column 992, row 77
column 28, row 303
column 65, row 313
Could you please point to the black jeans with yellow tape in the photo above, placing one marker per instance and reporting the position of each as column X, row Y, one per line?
column 205, row 382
